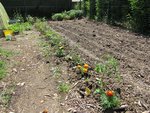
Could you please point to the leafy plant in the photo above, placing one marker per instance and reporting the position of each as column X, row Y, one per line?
column 60, row 52
column 67, row 15
column 58, row 17
column 109, row 67
column 20, row 27
column 109, row 100
column 63, row 87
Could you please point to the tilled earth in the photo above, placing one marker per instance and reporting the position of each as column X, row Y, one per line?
column 94, row 40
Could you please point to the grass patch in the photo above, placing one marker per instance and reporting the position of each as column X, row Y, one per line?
column 3, row 55
column 5, row 96
column 2, row 69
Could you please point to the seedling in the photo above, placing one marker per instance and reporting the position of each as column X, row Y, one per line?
column 57, row 71
column 109, row 100
column 60, row 52
column 63, row 87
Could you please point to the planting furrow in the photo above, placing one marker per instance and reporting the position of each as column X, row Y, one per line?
column 82, row 50
column 132, row 70
column 113, row 44
column 117, row 37
column 126, row 51
column 96, row 45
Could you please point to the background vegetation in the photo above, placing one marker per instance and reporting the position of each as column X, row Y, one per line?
column 132, row 14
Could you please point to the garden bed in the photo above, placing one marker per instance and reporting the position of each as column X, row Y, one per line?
column 95, row 40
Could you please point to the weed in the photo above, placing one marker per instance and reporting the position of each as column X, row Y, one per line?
column 41, row 25
column 109, row 67
column 75, row 58
column 60, row 52
column 5, row 53
column 20, row 27
column 2, row 69
column 30, row 19
column 63, row 87
column 57, row 71
column 5, row 96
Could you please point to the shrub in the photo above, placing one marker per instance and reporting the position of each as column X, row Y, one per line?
column 140, row 16
column 67, row 15
column 58, row 17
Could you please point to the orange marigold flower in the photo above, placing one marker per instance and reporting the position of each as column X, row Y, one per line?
column 86, row 66
column 110, row 93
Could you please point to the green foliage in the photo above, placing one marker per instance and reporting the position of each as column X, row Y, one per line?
column 78, row 6
column 75, row 58
column 30, row 19
column 18, row 16
column 60, row 52
column 109, row 102
column 41, row 25
column 58, row 17
column 5, row 96
column 2, row 69
column 63, row 87
column 20, row 27
column 3, row 55
column 132, row 14
column 140, row 15
column 67, row 15
column 92, row 9
column 106, row 101
column 109, row 67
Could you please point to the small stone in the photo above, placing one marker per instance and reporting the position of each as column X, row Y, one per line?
column 42, row 101
column 72, row 110
column 21, row 84
column 14, row 70
column 124, row 106
column 62, row 104
column 139, row 103
column 22, row 69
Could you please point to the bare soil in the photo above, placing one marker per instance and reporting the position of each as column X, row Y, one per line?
column 94, row 40
column 36, row 87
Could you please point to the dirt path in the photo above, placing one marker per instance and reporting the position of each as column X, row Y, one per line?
column 133, row 52
column 36, row 88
